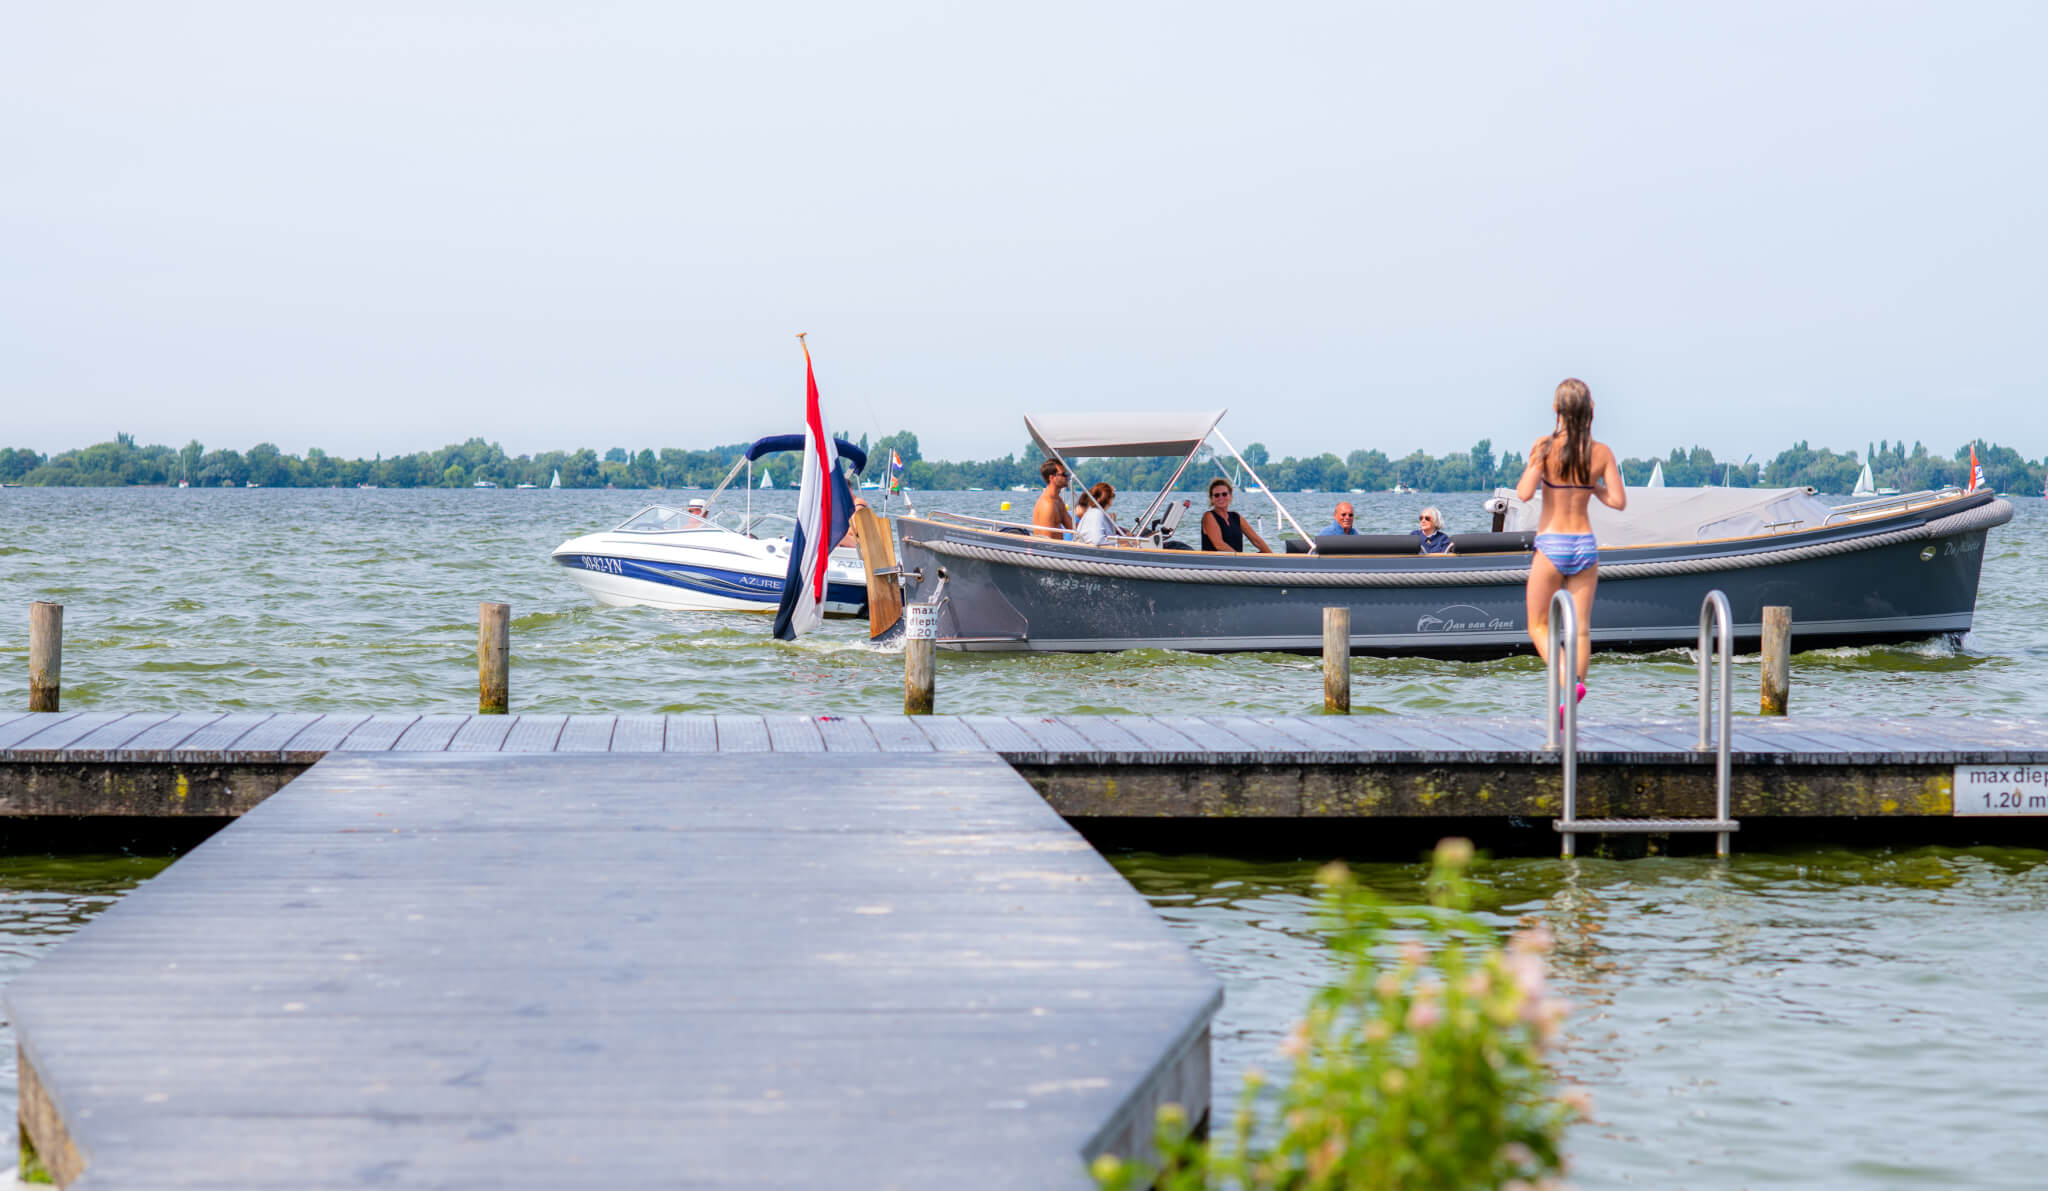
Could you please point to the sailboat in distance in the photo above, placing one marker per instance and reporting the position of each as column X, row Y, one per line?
column 1656, row 475
column 557, row 481
column 1865, row 485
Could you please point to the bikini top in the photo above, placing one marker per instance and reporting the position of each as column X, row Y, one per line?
column 1579, row 487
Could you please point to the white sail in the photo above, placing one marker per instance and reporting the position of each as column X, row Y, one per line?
column 1865, row 485
column 1657, row 474
column 557, row 481
column 767, row 481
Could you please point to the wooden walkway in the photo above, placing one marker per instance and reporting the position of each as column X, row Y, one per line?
column 293, row 738
column 460, row 968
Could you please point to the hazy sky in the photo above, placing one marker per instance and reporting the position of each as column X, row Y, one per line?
column 383, row 227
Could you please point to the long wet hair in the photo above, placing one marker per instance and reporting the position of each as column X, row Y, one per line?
column 1571, row 448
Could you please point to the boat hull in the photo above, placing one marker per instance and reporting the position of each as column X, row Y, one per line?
column 1908, row 590
column 620, row 574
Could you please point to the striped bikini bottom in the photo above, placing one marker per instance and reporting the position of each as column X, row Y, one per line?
column 1570, row 553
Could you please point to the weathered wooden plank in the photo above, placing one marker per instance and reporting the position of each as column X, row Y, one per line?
column 1155, row 734
column 846, row 734
column 1217, row 740
column 105, row 742
column 1048, row 735
column 1256, row 736
column 1368, row 734
column 156, row 741
column 898, row 733
column 794, row 734
column 31, row 723
column 691, row 734
column 949, row 734
column 1316, row 744
column 909, row 951
column 1101, row 734
column 431, row 734
column 273, row 734
column 50, row 742
column 587, row 734
column 322, row 736
column 535, row 734
column 376, row 734
column 216, row 741
column 8, row 717
column 742, row 734
column 640, row 734
column 482, row 734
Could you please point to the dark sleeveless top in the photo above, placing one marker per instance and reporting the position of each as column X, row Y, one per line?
column 1231, row 531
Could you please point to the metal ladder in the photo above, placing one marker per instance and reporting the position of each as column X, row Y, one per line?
column 1715, row 628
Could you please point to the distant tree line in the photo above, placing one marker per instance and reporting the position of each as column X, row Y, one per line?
column 123, row 462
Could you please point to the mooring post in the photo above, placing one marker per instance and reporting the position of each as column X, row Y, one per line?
column 1337, row 660
column 920, row 641
column 493, row 660
column 45, row 655
column 1777, row 649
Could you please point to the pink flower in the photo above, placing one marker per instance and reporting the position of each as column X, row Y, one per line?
column 1423, row 1014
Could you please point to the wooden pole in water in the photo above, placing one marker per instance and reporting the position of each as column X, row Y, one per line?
column 45, row 655
column 919, row 675
column 493, row 658
column 1777, row 648
column 1337, row 660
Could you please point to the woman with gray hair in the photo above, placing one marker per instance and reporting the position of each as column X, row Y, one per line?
column 1434, row 539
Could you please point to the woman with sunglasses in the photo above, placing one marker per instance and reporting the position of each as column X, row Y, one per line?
column 1224, row 530
column 1434, row 539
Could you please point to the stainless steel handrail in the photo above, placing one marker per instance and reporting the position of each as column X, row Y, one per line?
column 1716, row 619
column 1558, row 703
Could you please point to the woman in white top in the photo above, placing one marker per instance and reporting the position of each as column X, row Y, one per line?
column 1096, row 528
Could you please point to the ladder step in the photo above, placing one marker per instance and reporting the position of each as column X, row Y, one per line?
column 1643, row 826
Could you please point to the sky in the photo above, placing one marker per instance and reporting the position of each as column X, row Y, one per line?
column 383, row 227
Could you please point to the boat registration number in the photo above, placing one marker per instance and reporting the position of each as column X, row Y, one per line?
column 2001, row 790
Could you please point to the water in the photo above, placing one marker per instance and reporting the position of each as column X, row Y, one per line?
column 1843, row 1018
column 316, row 600
column 1825, row 1018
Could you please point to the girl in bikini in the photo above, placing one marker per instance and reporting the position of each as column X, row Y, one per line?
column 1571, row 469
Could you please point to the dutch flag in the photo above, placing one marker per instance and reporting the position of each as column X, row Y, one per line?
column 823, row 508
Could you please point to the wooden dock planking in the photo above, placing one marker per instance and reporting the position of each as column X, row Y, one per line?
column 691, row 734
column 447, row 969
column 1086, row 765
column 640, row 734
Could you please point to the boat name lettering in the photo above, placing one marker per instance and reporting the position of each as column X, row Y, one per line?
column 597, row 562
column 1461, row 618
column 1952, row 547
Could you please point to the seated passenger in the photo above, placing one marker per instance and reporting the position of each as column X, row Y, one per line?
column 1096, row 527
column 1434, row 539
column 1050, row 514
column 1224, row 530
column 1341, row 519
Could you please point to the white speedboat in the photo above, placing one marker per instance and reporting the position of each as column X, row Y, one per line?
column 699, row 558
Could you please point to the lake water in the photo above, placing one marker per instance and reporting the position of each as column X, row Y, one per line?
column 1821, row 1018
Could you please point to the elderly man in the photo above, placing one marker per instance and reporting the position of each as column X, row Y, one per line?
column 1342, row 519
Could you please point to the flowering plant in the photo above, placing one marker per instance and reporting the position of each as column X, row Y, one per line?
column 1421, row 1065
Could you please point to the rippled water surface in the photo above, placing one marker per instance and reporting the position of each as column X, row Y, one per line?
column 1841, row 1018
column 1802, row 1019
column 313, row 600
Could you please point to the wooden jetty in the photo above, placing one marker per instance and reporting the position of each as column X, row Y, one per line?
column 475, row 966
column 1456, row 771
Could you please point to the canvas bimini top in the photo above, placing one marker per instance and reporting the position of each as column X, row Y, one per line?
column 1095, row 435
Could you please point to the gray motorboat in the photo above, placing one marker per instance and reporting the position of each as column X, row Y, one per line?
column 1895, row 569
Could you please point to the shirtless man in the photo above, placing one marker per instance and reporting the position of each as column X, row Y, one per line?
column 1050, row 514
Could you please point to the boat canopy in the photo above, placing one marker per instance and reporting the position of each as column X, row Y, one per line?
column 1096, row 435
column 1686, row 514
column 795, row 442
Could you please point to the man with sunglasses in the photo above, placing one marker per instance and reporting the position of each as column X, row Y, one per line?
column 1342, row 519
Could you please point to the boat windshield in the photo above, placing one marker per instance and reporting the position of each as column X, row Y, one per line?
column 662, row 519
